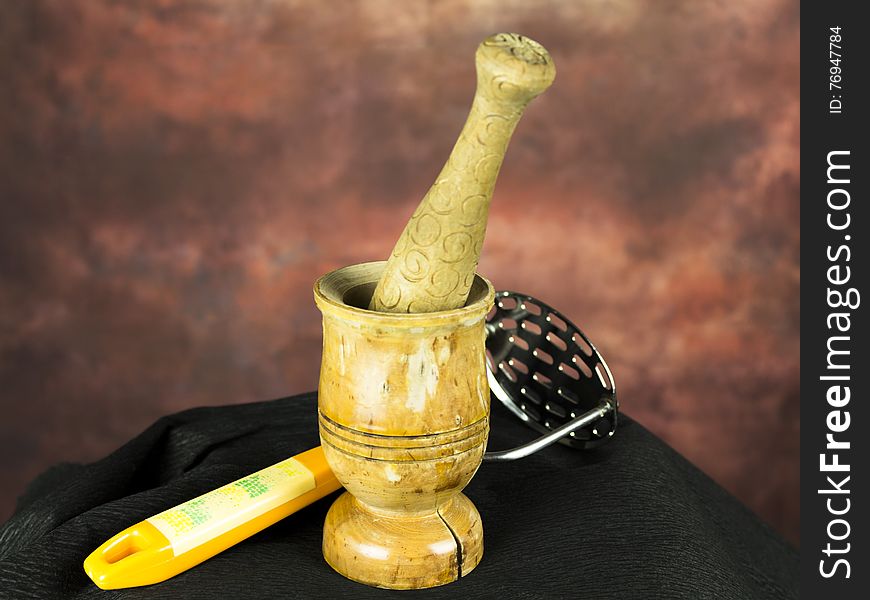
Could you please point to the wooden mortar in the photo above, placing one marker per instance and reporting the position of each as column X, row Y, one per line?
column 404, row 419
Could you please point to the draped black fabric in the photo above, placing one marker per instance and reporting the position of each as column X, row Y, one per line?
column 630, row 520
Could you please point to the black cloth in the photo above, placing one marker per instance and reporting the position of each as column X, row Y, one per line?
column 632, row 519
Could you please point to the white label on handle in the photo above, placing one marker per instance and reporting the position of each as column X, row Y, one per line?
column 197, row 521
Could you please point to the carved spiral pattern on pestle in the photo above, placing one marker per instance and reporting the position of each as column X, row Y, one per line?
column 432, row 265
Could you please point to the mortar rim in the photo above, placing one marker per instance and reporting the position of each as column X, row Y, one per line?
column 327, row 302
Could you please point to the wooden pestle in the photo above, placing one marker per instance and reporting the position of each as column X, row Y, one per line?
column 432, row 265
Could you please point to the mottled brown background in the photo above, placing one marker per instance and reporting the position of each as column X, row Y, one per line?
column 174, row 176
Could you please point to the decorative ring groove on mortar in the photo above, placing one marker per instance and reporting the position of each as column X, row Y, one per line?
column 476, row 448
column 379, row 440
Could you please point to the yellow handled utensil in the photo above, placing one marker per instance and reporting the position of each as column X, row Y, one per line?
column 177, row 539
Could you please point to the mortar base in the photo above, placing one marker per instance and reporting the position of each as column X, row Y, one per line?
column 401, row 551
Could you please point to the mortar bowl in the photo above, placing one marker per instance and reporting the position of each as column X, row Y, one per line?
column 403, row 409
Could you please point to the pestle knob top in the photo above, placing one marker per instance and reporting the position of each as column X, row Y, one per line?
column 512, row 69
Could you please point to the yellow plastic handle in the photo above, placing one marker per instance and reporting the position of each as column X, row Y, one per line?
column 184, row 536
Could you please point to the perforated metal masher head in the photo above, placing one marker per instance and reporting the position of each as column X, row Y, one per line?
column 547, row 372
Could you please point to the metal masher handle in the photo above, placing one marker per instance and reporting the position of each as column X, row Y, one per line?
column 542, row 442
